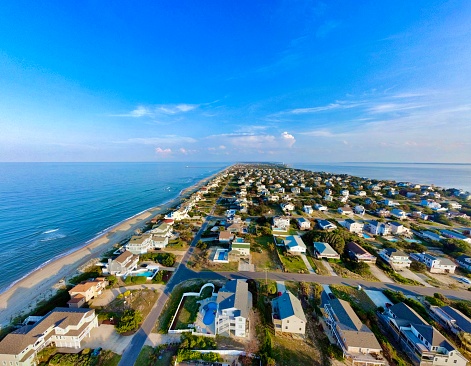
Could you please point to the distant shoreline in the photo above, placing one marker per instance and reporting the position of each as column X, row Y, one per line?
column 22, row 296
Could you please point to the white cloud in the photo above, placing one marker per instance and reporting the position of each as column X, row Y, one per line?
column 288, row 139
column 163, row 152
column 222, row 147
column 159, row 110
column 183, row 151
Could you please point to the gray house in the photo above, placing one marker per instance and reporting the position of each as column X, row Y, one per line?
column 287, row 314
column 123, row 264
column 357, row 341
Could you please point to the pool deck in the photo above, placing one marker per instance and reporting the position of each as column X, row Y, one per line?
column 199, row 324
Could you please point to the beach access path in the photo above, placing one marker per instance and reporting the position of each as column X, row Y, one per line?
column 40, row 285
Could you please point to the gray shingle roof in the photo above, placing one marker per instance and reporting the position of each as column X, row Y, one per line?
column 461, row 320
column 235, row 294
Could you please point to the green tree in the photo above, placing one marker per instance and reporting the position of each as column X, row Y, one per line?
column 129, row 321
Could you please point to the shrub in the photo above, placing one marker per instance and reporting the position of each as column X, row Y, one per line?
column 129, row 321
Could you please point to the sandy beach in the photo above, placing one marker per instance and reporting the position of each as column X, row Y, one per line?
column 41, row 284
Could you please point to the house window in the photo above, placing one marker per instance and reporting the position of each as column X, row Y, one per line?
column 286, row 327
column 455, row 361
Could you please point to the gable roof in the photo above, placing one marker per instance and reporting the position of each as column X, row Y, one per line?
column 235, row 294
column 356, row 248
column 324, row 248
column 460, row 319
column 289, row 305
column 294, row 241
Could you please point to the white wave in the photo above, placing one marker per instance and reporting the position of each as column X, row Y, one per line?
column 54, row 237
column 50, row 231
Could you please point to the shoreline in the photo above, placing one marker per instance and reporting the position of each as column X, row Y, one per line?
column 23, row 295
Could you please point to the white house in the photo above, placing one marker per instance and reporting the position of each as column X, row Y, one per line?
column 294, row 244
column 234, row 302
column 397, row 259
column 345, row 210
column 326, row 225
column 354, row 226
column 63, row 327
column 398, row 229
column 287, row 314
column 436, row 264
column 281, row 223
column 286, row 207
column 464, row 261
column 431, row 235
column 360, row 193
column 400, row 214
column 308, row 209
column 320, row 207
column 378, row 228
column 303, row 224
column 454, row 235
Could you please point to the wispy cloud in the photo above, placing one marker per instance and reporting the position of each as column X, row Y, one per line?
column 165, row 139
column 158, row 110
column 394, row 107
column 163, row 151
column 329, row 107
column 327, row 27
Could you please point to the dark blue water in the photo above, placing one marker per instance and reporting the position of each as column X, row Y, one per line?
column 442, row 175
column 47, row 209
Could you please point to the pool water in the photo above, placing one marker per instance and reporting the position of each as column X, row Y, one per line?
column 144, row 274
column 222, row 256
column 210, row 313
column 366, row 236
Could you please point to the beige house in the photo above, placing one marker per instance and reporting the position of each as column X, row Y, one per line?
column 63, row 327
column 88, row 289
column 287, row 314
column 123, row 264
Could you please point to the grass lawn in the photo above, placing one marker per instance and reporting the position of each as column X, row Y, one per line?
column 290, row 351
column 221, row 267
column 268, row 258
column 189, row 310
column 177, row 244
column 108, row 358
column 292, row 263
column 343, row 272
column 144, row 356
column 353, row 295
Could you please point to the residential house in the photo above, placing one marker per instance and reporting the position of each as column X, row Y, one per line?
column 240, row 247
column 303, row 224
column 359, row 210
column 225, row 236
column 326, row 225
column 377, row 228
column 320, row 207
column 123, row 264
column 294, row 244
column 354, row 226
column 325, row 251
column 358, row 253
column 436, row 264
column 424, row 344
column 360, row 193
column 400, row 214
column 296, row 190
column 345, row 210
column 454, row 205
column 143, row 243
column 62, row 327
column 357, row 341
column 464, row 261
column 455, row 235
column 396, row 258
column 234, row 302
column 382, row 212
column 399, row 229
column 162, row 230
column 328, row 198
column 281, row 223
column 287, row 314
column 88, row 289
column 308, row 209
column 345, row 192
column 431, row 204
column 286, row 207
column 430, row 235
column 453, row 320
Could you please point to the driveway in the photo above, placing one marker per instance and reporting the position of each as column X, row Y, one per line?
column 329, row 268
column 407, row 273
column 380, row 275
column 308, row 265
column 106, row 337
column 156, row 339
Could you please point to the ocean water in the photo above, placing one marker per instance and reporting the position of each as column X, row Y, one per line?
column 48, row 209
column 441, row 175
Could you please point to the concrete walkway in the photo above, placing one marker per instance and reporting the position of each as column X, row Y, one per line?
column 407, row 273
column 308, row 265
column 105, row 336
column 156, row 339
column 329, row 268
column 380, row 275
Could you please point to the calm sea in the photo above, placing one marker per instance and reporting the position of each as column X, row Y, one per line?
column 442, row 175
column 47, row 209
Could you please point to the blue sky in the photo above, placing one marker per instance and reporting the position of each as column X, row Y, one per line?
column 292, row 81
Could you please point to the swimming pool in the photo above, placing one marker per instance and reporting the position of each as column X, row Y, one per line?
column 222, row 255
column 210, row 313
column 366, row 236
column 144, row 274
